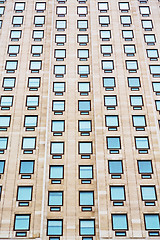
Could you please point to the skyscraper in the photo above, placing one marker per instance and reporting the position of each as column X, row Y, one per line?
column 79, row 119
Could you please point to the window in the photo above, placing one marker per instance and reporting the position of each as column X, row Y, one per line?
column 130, row 50
column 106, row 50
column 58, row 126
column 55, row 198
column 115, row 168
column 152, row 54
column 24, row 193
column 19, row 6
column 59, row 88
column 34, row 83
column 56, row 172
column 32, row 102
column 86, row 173
column 82, row 11
column 58, row 106
column 40, row 7
column 39, row 21
column 13, row 50
column 152, row 223
column 156, row 87
column 117, row 194
column 11, row 66
column 157, row 102
column 59, row 70
column 61, row 25
column 8, row 83
column 2, row 11
column 2, row 165
column 60, row 39
column 147, row 25
column 3, row 144
column 84, row 106
column 103, row 7
column 126, row 20
column 132, row 66
column 61, row 11
column 105, row 35
column 113, row 144
column 61, row 1
column 82, row 39
column 145, row 168
column 82, row 25
column 22, row 222
column 1, row 24
column 38, row 35
column 84, row 88
column 60, row 54
column 57, row 149
column 104, row 21
column 139, row 122
column 55, row 227
column 87, row 227
column 112, row 122
column 17, row 21
column 144, row 11
column 110, row 102
column 155, row 70
column 4, row 122
column 30, row 122
column 86, row 199
column 36, row 50
column 142, row 144
column 82, row 1
column 83, row 70
column 134, row 83
column 35, row 66
column 148, row 194
column 109, row 83
column 85, row 127
column 150, row 39
column 28, row 144
column 136, row 102
column 85, row 149
column 127, row 35
column 6, row 102
column 83, row 54
column 119, row 224
column 107, row 66
column 26, row 167
column 124, row 6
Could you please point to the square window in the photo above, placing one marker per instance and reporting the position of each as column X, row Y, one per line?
column 144, row 11
column 136, row 101
column 112, row 122
column 24, row 193
column 130, row 50
column 84, row 106
column 152, row 221
column 61, row 25
column 83, row 70
column 105, row 35
column 59, row 70
column 113, row 143
column 30, row 121
column 36, row 50
column 84, row 88
column 19, row 6
column 82, row 39
column 117, row 193
column 13, row 50
column 142, row 143
column 85, row 148
column 57, row 148
column 59, row 88
column 11, row 66
column 34, row 83
column 156, row 87
column 55, row 198
column 39, row 21
column 103, row 7
column 54, row 227
column 152, row 54
column 82, row 25
column 104, row 21
column 126, row 20
column 22, row 222
column 32, row 102
column 83, row 54
column 86, row 198
column 110, row 102
column 155, row 70
column 139, row 122
column 82, row 11
column 26, row 167
column 147, row 25
column 132, row 66
column 127, row 35
column 38, row 35
column 61, row 11
column 35, row 66
column 28, row 143
column 60, row 54
column 109, row 83
column 40, row 6
column 2, row 166
column 85, row 172
column 106, row 50
column 157, row 102
column 148, row 193
column 4, row 122
column 17, row 21
column 87, row 227
column 150, row 39
column 107, row 65
column 57, row 127
column 3, row 144
column 119, row 222
column 60, row 39
column 124, row 6
column 58, row 106
column 134, row 83
column 145, row 166
column 84, row 126
column 115, row 166
column 6, row 102
column 56, row 172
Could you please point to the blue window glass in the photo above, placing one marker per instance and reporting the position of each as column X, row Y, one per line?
column 85, row 147
column 142, row 143
column 84, row 87
column 110, row 101
column 55, row 227
column 86, row 172
column 113, row 143
column 5, row 121
column 83, row 53
column 24, row 193
column 136, row 100
column 148, row 193
column 86, row 198
column 134, row 82
column 139, row 121
column 156, row 86
column 32, row 101
column 145, row 166
column 22, row 222
column 58, row 87
column 84, row 105
column 6, row 101
column 87, row 227
column 57, row 147
column 56, row 172
column 3, row 143
column 58, row 105
column 29, row 143
column 83, row 69
column 58, row 126
column 59, row 69
column 152, row 53
column 107, row 65
column 112, row 121
column 117, row 193
column 119, row 222
column 55, row 198
column 105, row 34
column 155, row 69
column 84, row 126
column 26, row 167
column 108, row 82
column 8, row 82
column 30, row 121
column 115, row 166
column 152, row 221
column 2, row 164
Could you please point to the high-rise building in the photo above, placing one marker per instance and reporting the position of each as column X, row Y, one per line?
column 79, row 119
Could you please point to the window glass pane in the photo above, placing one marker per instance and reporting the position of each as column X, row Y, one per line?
column 149, row 38
column 129, row 48
column 82, row 24
column 2, row 163
column 117, row 193
column 35, row 65
column 61, row 10
column 85, row 147
column 131, row 65
column 136, row 100
column 17, row 20
column 86, row 198
column 83, row 53
column 113, row 142
column 86, row 172
column 59, row 87
column 24, row 193
column 55, row 227
column 104, row 19
column 124, row 6
column 152, row 53
column 109, row 82
column 60, row 38
column 148, row 193
column 6, row 101
column 59, row 69
column 119, row 222
column 58, row 126
column 55, row 199
column 60, row 53
column 84, row 105
column 61, row 24
column 152, row 221
column 13, row 49
column 145, row 166
column 105, row 34
column 39, row 20
column 103, row 5
column 142, row 143
column 31, row 121
column 139, row 121
column 84, row 87
column 40, row 6
column 144, row 10
column 33, row 82
column 83, row 38
column 58, row 105
column 115, row 166
column 38, row 34
column 82, row 10
column 83, row 69
column 157, row 105
column 3, row 143
column 29, row 143
column 32, row 101
column 87, row 227
column 84, row 126
column 26, row 167
column 108, row 65
column 125, row 19
column 22, row 222
column 16, row 34
column 5, row 121
column 147, row 24
column 11, row 65
column 106, row 48
column 37, row 49
column 127, row 33
column 155, row 69
column 110, row 100
column 112, row 121
column 133, row 82
column 19, row 6
column 57, row 147
column 56, row 171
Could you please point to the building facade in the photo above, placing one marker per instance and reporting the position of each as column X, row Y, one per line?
column 79, row 119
